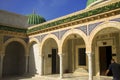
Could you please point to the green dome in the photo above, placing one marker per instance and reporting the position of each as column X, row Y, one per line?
column 95, row 2
column 90, row 2
column 35, row 19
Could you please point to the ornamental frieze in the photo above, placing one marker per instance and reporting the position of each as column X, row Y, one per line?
column 5, row 38
column 13, row 33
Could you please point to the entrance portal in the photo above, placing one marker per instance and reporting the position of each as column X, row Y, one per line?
column 105, row 58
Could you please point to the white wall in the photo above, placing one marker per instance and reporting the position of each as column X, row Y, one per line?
column 34, row 60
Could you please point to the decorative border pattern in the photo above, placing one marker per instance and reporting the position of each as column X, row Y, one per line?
column 9, row 37
column 11, row 33
column 7, row 28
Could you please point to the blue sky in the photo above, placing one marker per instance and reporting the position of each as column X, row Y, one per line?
column 49, row 9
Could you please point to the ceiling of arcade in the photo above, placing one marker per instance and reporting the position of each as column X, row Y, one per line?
column 74, row 36
column 107, row 31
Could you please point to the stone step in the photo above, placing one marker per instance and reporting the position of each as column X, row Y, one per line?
column 80, row 72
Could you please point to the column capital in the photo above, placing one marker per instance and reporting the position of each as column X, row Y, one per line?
column 88, row 52
column 60, row 54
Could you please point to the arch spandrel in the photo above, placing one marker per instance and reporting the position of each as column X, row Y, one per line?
column 33, row 40
column 110, row 24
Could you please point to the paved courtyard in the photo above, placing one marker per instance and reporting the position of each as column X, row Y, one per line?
column 56, row 77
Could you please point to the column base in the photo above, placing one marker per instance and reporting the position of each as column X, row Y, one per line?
column 61, row 77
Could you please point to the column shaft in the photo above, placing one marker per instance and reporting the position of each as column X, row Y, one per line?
column 26, row 70
column 1, row 65
column 90, row 66
column 61, row 65
column 41, row 65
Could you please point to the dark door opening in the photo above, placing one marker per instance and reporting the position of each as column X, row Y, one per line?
column 105, row 53
column 81, row 57
column 55, row 62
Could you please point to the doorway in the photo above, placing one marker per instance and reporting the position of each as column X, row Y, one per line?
column 81, row 57
column 55, row 62
column 105, row 53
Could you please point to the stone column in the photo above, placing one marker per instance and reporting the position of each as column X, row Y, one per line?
column 41, row 65
column 61, row 65
column 1, row 64
column 26, row 60
column 26, row 64
column 90, row 66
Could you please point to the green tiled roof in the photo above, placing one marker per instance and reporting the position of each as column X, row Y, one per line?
column 35, row 19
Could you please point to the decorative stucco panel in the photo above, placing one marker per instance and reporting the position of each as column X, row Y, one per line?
column 26, row 39
column 83, row 28
column 92, row 26
column 38, row 38
column 56, row 34
column 42, row 36
column 6, row 38
column 62, row 33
